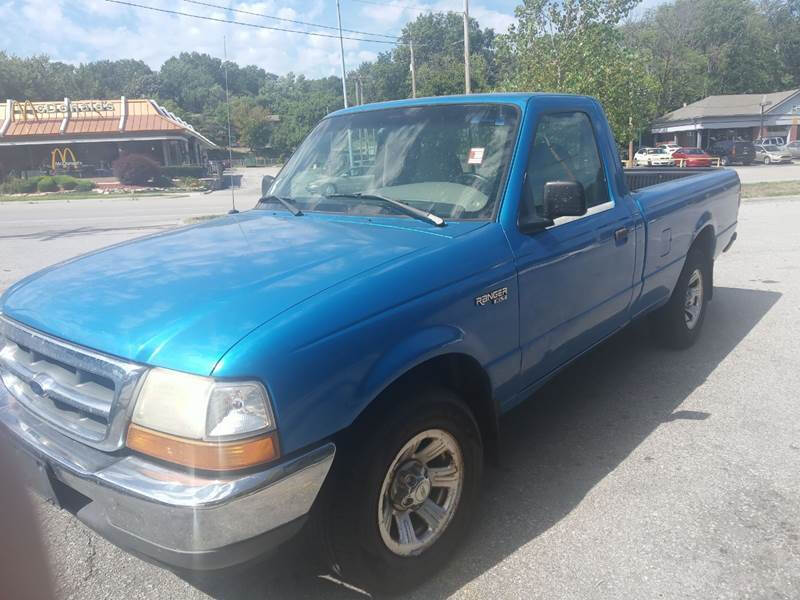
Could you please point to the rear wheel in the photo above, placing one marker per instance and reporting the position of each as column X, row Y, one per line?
column 678, row 323
column 403, row 491
column 725, row 161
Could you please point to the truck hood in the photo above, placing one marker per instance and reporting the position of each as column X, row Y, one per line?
column 181, row 299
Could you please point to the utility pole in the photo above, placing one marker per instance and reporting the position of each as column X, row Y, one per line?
column 413, row 70
column 630, row 142
column 233, row 210
column 763, row 104
column 341, row 48
column 467, row 84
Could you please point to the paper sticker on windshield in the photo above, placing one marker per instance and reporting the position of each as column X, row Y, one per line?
column 475, row 156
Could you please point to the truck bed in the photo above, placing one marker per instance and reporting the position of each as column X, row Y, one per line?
column 642, row 177
column 686, row 202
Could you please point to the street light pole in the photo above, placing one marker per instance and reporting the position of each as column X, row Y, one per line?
column 467, row 83
column 341, row 48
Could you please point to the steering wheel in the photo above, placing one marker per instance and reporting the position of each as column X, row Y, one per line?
column 479, row 182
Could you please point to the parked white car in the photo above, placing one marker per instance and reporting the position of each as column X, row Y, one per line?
column 670, row 147
column 653, row 157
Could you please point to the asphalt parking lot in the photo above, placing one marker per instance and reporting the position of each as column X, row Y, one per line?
column 758, row 173
column 638, row 473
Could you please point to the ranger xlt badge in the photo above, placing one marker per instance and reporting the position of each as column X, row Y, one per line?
column 495, row 297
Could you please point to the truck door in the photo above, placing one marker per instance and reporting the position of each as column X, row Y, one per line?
column 575, row 276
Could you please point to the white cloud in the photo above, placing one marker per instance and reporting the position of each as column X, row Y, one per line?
column 95, row 29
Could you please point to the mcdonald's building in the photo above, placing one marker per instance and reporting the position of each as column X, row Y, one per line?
column 85, row 136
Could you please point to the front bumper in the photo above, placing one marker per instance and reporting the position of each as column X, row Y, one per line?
column 175, row 517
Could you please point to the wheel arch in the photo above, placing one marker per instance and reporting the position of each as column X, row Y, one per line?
column 455, row 370
column 706, row 242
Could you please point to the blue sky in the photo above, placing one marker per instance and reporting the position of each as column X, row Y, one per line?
column 84, row 30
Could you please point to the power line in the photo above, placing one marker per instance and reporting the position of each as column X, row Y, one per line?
column 263, row 16
column 404, row 6
column 231, row 22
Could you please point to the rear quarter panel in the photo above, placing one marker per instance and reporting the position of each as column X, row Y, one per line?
column 675, row 213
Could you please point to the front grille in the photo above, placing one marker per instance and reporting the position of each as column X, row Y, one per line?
column 83, row 393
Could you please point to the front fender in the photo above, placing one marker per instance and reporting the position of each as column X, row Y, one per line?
column 416, row 349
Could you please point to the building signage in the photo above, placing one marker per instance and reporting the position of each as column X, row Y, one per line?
column 58, row 158
column 45, row 110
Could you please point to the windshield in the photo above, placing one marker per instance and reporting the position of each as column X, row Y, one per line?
column 448, row 160
column 693, row 151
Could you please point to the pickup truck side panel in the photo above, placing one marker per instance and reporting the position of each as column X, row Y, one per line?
column 677, row 212
column 321, row 375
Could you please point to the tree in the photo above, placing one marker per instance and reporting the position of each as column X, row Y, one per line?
column 251, row 122
column 574, row 46
column 438, row 56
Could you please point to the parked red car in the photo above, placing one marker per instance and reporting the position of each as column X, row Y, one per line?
column 692, row 157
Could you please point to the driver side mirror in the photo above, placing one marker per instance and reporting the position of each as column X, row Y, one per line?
column 266, row 183
column 564, row 199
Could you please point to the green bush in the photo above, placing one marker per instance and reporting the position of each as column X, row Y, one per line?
column 68, row 184
column 136, row 169
column 47, row 184
column 184, row 171
column 84, row 185
column 15, row 185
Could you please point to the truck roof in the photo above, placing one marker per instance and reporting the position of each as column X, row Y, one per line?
column 517, row 98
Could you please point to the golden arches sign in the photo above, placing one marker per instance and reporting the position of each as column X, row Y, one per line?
column 24, row 107
column 62, row 153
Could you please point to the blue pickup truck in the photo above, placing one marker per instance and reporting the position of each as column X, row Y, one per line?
column 337, row 358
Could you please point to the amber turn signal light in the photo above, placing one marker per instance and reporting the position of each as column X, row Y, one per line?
column 196, row 454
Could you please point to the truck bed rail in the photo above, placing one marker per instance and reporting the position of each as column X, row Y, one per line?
column 642, row 177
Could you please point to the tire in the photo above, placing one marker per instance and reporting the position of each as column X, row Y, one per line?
column 767, row 160
column 677, row 325
column 375, row 557
column 329, row 189
column 725, row 161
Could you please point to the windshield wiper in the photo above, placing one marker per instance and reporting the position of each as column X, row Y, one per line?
column 401, row 206
column 287, row 204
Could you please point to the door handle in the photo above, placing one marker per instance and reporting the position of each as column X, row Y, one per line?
column 621, row 235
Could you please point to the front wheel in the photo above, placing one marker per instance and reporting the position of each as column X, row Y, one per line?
column 725, row 161
column 404, row 489
column 767, row 160
column 677, row 324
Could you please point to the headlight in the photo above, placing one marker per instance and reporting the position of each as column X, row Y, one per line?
column 203, row 423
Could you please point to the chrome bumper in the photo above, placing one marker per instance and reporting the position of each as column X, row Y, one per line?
column 176, row 517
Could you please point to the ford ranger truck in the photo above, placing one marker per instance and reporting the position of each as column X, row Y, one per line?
column 340, row 354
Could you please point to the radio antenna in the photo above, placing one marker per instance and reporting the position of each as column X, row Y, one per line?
column 233, row 210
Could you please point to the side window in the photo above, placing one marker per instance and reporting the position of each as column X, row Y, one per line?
column 564, row 149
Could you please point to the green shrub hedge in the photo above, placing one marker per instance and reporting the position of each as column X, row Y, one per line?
column 84, row 185
column 47, row 184
column 15, row 185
